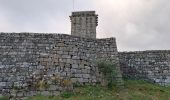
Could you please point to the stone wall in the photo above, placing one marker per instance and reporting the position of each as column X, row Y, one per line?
column 35, row 63
column 149, row 65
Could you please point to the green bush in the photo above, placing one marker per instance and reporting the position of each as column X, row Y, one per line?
column 109, row 71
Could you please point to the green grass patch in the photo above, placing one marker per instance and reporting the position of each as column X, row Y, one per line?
column 4, row 98
column 67, row 94
column 134, row 90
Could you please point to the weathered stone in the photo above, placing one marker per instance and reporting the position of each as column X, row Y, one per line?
column 74, row 80
column 88, row 22
column 46, row 93
column 85, row 71
column 55, row 93
column 31, row 93
column 53, row 87
column 86, row 76
column 20, row 94
column 66, row 56
column 78, row 75
column 74, row 70
column 3, row 84
column 81, row 80
column 147, row 65
column 75, row 66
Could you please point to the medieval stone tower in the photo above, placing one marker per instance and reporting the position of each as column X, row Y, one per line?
column 84, row 23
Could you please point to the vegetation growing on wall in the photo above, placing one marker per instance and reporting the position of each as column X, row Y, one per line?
column 109, row 72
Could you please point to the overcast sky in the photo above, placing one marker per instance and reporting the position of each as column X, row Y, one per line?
column 136, row 24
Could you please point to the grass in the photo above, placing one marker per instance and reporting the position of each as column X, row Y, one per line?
column 4, row 98
column 134, row 90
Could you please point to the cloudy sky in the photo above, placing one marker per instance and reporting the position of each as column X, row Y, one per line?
column 136, row 24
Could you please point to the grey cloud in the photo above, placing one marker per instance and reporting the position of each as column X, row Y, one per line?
column 137, row 24
column 35, row 15
column 143, row 27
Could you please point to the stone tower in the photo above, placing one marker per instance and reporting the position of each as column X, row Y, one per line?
column 84, row 23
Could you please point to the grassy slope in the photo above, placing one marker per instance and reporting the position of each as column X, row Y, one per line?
column 134, row 90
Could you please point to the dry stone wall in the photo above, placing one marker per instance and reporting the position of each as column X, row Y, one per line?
column 149, row 65
column 46, row 64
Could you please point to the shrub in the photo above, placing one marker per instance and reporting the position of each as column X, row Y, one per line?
column 109, row 71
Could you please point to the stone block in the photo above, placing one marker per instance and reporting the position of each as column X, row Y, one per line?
column 81, row 80
column 31, row 93
column 86, row 76
column 55, row 93
column 46, row 93
column 75, row 66
column 74, row 70
column 3, row 84
column 66, row 56
column 74, row 80
column 84, row 71
column 53, row 87
column 20, row 94
column 78, row 75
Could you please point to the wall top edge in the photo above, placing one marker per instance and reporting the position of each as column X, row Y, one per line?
column 145, row 51
column 49, row 34
column 83, row 13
